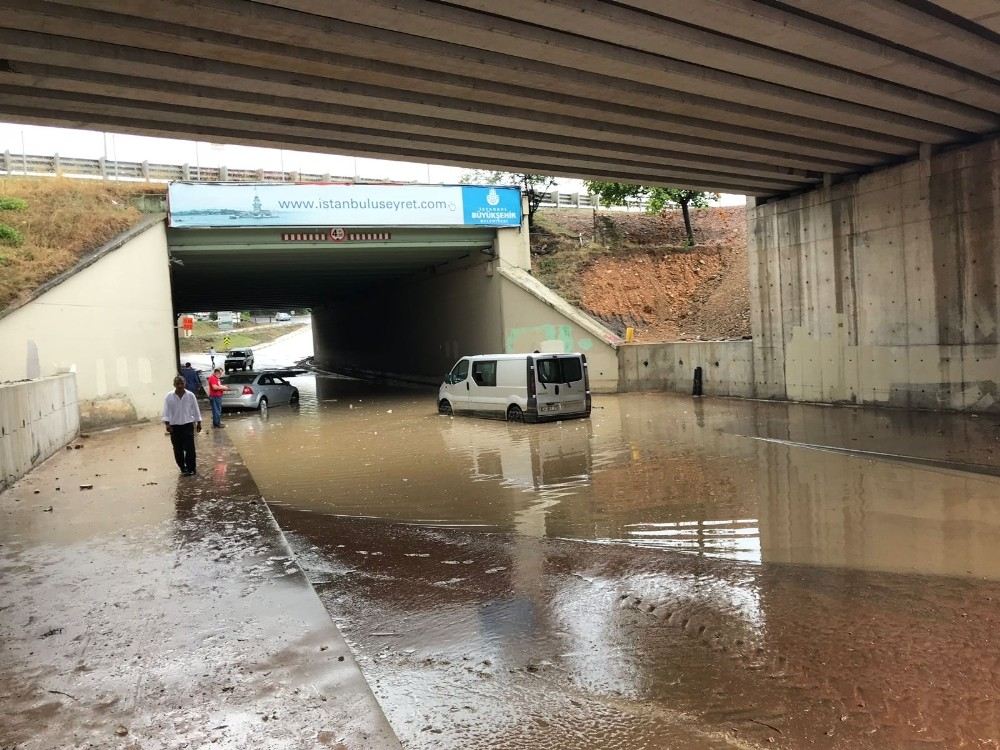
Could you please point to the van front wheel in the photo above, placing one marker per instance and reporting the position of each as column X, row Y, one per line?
column 444, row 407
column 514, row 413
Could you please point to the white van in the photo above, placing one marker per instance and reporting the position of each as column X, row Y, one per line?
column 518, row 387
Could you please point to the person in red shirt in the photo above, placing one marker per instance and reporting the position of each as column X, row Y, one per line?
column 215, row 391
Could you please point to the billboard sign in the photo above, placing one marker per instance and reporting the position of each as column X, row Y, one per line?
column 201, row 204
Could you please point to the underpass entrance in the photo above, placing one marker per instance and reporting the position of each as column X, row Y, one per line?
column 402, row 280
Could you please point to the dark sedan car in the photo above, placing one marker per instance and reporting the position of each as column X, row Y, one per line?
column 239, row 359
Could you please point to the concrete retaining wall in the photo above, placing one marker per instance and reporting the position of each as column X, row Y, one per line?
column 537, row 319
column 37, row 418
column 727, row 367
column 110, row 320
column 883, row 290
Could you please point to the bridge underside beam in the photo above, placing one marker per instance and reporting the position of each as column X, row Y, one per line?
column 763, row 98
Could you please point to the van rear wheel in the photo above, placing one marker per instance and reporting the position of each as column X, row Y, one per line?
column 514, row 413
column 444, row 407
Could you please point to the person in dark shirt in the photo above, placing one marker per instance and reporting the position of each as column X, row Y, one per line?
column 192, row 378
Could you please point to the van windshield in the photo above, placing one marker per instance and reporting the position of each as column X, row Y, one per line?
column 460, row 371
column 560, row 370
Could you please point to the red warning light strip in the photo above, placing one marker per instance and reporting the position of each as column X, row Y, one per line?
column 325, row 237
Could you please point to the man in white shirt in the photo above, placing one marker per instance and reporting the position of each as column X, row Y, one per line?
column 182, row 417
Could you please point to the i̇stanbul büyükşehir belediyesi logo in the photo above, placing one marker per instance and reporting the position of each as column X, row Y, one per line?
column 493, row 197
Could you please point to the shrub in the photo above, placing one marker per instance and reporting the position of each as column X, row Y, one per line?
column 12, row 204
column 10, row 236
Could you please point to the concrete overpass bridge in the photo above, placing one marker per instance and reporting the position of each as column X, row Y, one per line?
column 746, row 96
column 865, row 134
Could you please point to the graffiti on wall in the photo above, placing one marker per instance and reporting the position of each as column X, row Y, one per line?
column 547, row 337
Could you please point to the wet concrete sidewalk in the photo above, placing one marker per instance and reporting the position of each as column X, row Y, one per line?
column 139, row 609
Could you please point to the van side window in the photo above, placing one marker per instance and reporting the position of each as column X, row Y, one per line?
column 485, row 373
column 460, row 371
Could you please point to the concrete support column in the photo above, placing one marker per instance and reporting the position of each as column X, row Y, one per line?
column 224, row 174
column 512, row 245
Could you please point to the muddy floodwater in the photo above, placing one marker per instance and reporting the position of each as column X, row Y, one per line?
column 669, row 573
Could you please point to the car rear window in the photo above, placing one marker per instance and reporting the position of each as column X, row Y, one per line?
column 560, row 370
column 240, row 379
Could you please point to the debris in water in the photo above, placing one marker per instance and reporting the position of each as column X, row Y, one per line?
column 60, row 692
column 86, row 486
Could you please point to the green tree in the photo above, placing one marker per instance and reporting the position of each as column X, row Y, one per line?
column 657, row 199
column 533, row 186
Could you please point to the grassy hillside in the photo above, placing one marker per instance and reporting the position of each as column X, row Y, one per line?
column 634, row 269
column 207, row 334
column 53, row 222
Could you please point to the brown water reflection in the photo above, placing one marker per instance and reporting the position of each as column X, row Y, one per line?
column 650, row 470
column 612, row 583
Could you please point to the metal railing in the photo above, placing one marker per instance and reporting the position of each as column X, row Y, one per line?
column 145, row 171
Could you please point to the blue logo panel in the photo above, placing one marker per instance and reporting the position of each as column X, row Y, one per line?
column 491, row 206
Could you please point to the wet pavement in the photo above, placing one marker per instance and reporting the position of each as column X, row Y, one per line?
column 143, row 610
column 670, row 573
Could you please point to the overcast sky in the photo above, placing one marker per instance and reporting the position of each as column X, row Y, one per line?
column 43, row 141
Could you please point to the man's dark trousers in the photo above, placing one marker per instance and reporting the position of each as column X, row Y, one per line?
column 182, row 438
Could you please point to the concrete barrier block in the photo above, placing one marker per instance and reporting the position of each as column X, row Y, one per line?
column 36, row 419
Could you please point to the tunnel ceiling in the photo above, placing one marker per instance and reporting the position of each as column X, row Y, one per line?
column 761, row 97
column 250, row 269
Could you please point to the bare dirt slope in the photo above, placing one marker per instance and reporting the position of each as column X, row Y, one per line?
column 56, row 222
column 633, row 269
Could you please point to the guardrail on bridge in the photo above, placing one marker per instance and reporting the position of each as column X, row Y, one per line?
column 145, row 171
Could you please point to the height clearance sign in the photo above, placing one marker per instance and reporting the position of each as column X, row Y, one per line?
column 193, row 204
